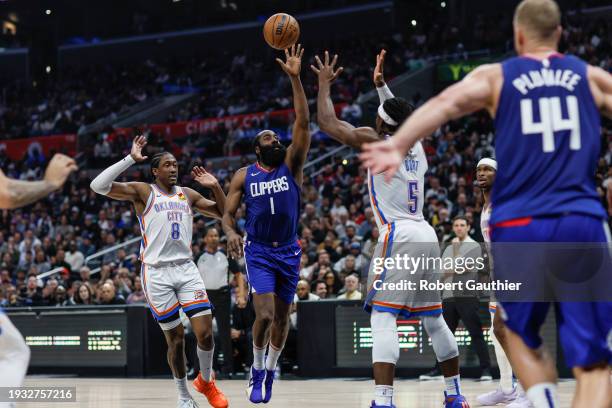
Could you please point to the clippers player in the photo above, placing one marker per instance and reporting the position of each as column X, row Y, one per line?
column 271, row 188
column 546, row 107
column 170, row 278
column 508, row 391
column 398, row 205
column 14, row 353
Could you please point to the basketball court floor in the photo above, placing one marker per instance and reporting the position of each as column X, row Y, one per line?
column 338, row 393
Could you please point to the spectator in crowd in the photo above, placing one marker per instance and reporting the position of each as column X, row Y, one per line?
column 74, row 257
column 351, row 288
column 320, row 289
column 137, row 295
column 84, row 295
column 108, row 295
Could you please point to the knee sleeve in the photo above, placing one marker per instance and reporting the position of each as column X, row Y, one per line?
column 444, row 343
column 385, row 345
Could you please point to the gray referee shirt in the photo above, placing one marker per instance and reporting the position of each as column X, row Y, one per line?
column 214, row 270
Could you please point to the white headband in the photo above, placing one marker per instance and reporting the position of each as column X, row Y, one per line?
column 487, row 161
column 385, row 117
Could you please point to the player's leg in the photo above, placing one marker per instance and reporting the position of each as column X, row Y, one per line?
column 14, row 355
column 287, row 272
column 584, row 331
column 446, row 349
column 385, row 353
column 263, row 304
column 196, row 305
column 164, row 305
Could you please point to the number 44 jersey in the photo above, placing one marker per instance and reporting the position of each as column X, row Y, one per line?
column 272, row 199
column 166, row 226
column 548, row 140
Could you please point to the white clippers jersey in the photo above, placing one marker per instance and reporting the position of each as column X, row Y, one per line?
column 402, row 198
column 166, row 226
column 484, row 223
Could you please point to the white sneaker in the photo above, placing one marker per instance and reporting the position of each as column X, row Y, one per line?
column 187, row 403
column 521, row 401
column 497, row 397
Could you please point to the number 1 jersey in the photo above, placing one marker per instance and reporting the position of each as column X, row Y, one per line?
column 547, row 140
column 272, row 199
column 166, row 226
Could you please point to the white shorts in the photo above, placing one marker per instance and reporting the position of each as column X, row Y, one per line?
column 14, row 355
column 171, row 287
column 416, row 239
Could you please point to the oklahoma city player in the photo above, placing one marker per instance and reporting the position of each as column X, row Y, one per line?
column 508, row 391
column 169, row 277
column 546, row 107
column 14, row 353
column 272, row 253
column 398, row 205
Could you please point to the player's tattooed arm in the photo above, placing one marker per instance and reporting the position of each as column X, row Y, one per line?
column 298, row 150
column 340, row 130
column 17, row 193
column 135, row 192
column 203, row 205
column 234, row 240
column 600, row 83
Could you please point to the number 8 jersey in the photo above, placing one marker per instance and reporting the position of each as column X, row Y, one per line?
column 548, row 140
column 166, row 226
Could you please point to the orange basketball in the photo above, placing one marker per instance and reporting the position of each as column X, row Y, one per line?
column 281, row 31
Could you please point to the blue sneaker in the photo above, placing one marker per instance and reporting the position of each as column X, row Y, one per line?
column 254, row 391
column 455, row 401
column 381, row 406
column 268, row 385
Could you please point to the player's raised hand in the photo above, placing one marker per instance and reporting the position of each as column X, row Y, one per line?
column 59, row 169
column 203, row 177
column 293, row 60
column 325, row 70
column 379, row 78
column 137, row 145
column 234, row 245
column 381, row 157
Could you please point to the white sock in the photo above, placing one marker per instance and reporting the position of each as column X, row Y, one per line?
column 543, row 395
column 383, row 395
column 272, row 359
column 206, row 362
column 259, row 355
column 505, row 369
column 181, row 385
column 453, row 385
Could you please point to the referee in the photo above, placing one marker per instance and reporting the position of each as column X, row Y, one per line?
column 214, row 268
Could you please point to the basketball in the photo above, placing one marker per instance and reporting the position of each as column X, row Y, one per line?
column 281, row 31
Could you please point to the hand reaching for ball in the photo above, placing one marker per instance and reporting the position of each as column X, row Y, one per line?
column 293, row 60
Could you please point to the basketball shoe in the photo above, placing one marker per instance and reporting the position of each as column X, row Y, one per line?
column 455, row 401
column 268, row 385
column 215, row 397
column 497, row 397
column 255, row 388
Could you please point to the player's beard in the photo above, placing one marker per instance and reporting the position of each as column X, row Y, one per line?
column 273, row 155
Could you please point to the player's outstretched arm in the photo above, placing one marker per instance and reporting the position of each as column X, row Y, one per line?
column 203, row 205
column 476, row 91
column 135, row 191
column 234, row 240
column 600, row 83
column 329, row 123
column 298, row 150
column 16, row 193
column 382, row 89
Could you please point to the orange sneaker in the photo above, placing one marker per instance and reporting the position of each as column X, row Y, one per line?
column 215, row 397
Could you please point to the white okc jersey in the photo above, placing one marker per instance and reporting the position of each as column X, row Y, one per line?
column 485, row 216
column 401, row 198
column 166, row 226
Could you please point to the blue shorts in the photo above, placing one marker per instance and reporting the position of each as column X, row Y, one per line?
column 273, row 269
column 585, row 328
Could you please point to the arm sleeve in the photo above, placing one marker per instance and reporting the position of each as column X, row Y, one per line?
column 104, row 181
column 384, row 93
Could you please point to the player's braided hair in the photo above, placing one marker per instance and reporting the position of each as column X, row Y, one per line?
column 156, row 160
column 398, row 109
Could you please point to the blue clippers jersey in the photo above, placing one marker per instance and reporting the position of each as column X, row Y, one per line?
column 548, row 140
column 272, row 201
